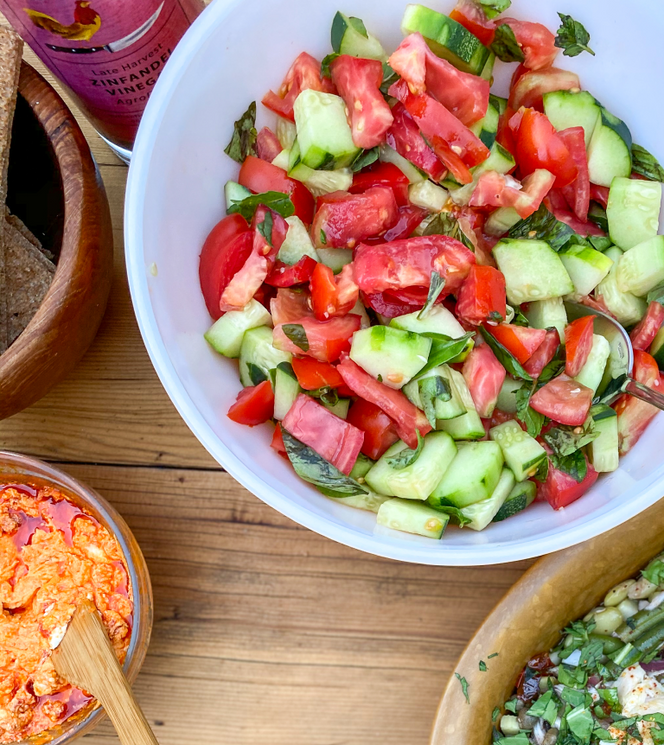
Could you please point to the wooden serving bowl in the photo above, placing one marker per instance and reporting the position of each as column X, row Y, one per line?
column 56, row 189
column 556, row 590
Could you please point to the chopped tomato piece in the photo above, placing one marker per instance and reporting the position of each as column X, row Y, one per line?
column 224, row 253
column 408, row 219
column 543, row 354
column 473, row 18
column 283, row 275
column 289, row 306
column 312, row 375
column 578, row 344
column 382, row 174
column 536, row 41
column 465, row 95
column 325, row 340
column 278, row 442
column 409, row 420
column 380, row 432
column 254, row 405
column 499, row 190
column 577, row 193
column 485, row 377
column 330, row 295
column 259, row 176
column 560, row 489
column 437, row 123
column 557, row 205
column 520, row 341
column 331, row 437
column 268, row 145
column 452, row 160
column 540, row 146
column 644, row 333
column 409, row 263
column 600, row 194
column 303, row 75
column 389, row 305
column 563, row 400
column 343, row 220
column 634, row 415
column 404, row 137
column 482, row 295
column 530, row 87
column 358, row 82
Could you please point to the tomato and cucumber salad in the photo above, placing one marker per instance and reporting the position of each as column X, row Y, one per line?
column 396, row 261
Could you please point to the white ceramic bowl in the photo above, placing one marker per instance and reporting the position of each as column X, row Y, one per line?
column 232, row 55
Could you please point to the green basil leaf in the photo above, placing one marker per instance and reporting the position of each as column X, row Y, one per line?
column 296, row 333
column 464, row 686
column 591, row 654
column 505, row 45
column 610, row 695
column 574, row 465
column 265, row 228
column 325, row 64
column 505, row 357
column 645, row 164
column 406, row 457
column 553, row 369
column 545, row 707
column 565, row 441
column 511, row 706
column 435, row 388
column 612, row 390
column 452, row 510
column 493, row 8
column 483, row 667
column 496, row 715
column 256, row 375
column 533, row 420
column 317, row 471
column 436, row 286
column 581, row 723
column 572, row 37
column 573, row 696
column 519, row 319
column 323, row 238
column 573, row 677
column 327, row 395
column 389, row 78
column 243, row 142
column 656, row 295
column 543, row 226
column 654, row 572
column 274, row 200
column 445, row 349
column 365, row 158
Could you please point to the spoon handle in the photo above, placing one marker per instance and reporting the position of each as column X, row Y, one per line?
column 643, row 393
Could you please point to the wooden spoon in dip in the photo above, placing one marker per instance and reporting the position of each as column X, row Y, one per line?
column 85, row 658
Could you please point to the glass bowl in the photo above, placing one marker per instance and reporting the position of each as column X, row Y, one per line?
column 27, row 470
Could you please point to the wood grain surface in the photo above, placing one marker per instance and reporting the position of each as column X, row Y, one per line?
column 264, row 631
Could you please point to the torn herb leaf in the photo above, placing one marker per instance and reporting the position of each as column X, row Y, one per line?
column 505, row 45
column 274, row 200
column 646, row 164
column 406, row 457
column 572, row 37
column 483, row 667
column 505, row 357
column 574, row 465
column 464, row 686
column 445, row 349
column 325, row 64
column 365, row 158
column 265, row 228
column 565, row 441
column 432, row 389
column 243, row 142
column 654, row 572
column 435, row 288
column 493, row 8
column 533, row 420
column 256, row 375
column 296, row 333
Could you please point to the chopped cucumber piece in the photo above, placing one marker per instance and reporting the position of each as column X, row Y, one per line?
column 340, row 408
column 522, row 453
column 468, row 426
column 507, row 396
column 366, row 501
column 597, row 214
column 501, row 221
column 573, row 109
column 532, row 269
column 610, row 150
column 499, row 103
column 362, row 466
column 547, row 314
column 585, row 266
column 335, row 258
column 447, row 38
column 286, row 133
column 486, row 128
column 627, row 308
column 394, row 355
column 411, row 517
column 412, row 173
column 443, row 409
column 258, row 357
column 418, row 480
column 319, row 182
column 633, row 211
column 350, row 36
column 428, row 196
column 641, row 268
column 657, row 348
column 604, row 453
column 499, row 160
column 482, row 513
column 521, row 496
column 286, row 389
column 592, row 372
column 234, row 193
column 472, row 476
column 283, row 160
column 297, row 243
column 487, row 70
column 438, row 320
column 323, row 133
column 225, row 335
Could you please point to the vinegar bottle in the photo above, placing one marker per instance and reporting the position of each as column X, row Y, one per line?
column 108, row 53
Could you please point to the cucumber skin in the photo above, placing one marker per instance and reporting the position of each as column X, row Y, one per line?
column 522, row 496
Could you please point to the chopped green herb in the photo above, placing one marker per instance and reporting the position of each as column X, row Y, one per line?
column 274, row 200
column 406, row 457
column 572, row 37
column 432, row 389
column 445, row 349
column 323, row 238
column 389, row 78
column 496, row 715
column 566, row 441
column 296, row 333
column 256, row 375
column 545, row 707
column 519, row 319
column 436, row 286
column 654, row 572
column 491, row 656
column 505, row 357
column 464, row 686
column 493, row 8
column 581, row 723
column 574, row 465
column 265, row 228
column 325, row 64
column 483, row 667
column 505, row 45
column 525, row 413
column 646, row 164
column 511, row 706
column 243, row 142
column 365, row 158
column 449, row 509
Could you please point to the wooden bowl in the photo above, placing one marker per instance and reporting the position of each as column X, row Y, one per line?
column 555, row 591
column 56, row 189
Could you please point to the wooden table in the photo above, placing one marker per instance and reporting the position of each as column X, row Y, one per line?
column 264, row 632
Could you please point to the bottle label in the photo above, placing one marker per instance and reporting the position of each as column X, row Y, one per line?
column 108, row 52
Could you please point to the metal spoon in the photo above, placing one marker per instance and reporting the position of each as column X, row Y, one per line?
column 618, row 379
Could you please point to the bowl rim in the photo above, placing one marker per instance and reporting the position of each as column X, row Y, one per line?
column 135, row 198
column 25, row 466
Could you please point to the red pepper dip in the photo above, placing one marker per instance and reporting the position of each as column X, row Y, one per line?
column 52, row 556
